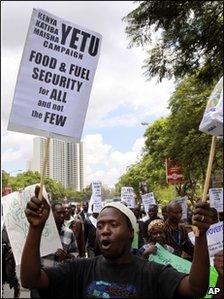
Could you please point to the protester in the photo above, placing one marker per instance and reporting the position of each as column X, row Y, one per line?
column 176, row 233
column 115, row 273
column 78, row 209
column 9, row 266
column 67, row 237
column 91, row 245
column 214, row 214
column 69, row 248
column 156, row 234
column 76, row 227
column 84, row 212
column 153, row 215
column 137, row 212
column 73, row 209
column 164, row 213
column 67, row 210
column 218, row 264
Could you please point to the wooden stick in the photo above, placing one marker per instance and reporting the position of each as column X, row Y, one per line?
column 208, row 175
column 44, row 168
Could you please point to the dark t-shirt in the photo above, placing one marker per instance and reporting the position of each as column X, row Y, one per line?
column 96, row 278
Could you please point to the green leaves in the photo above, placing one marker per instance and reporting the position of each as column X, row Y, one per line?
column 190, row 40
column 177, row 137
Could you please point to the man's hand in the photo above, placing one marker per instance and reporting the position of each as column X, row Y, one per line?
column 61, row 255
column 218, row 262
column 151, row 249
column 202, row 217
column 17, row 291
column 37, row 211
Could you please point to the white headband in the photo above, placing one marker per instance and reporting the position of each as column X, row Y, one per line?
column 125, row 210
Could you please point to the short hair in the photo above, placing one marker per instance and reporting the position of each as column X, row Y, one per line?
column 164, row 209
column 54, row 204
column 214, row 214
column 152, row 206
column 171, row 204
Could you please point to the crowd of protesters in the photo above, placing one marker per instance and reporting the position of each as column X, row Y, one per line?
column 97, row 259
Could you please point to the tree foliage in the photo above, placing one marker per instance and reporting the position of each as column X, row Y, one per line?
column 5, row 178
column 177, row 137
column 55, row 189
column 189, row 37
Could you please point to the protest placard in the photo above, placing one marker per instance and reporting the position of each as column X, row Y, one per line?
column 174, row 173
column 14, row 205
column 165, row 257
column 216, row 198
column 96, row 198
column 214, row 239
column 183, row 202
column 127, row 195
column 148, row 199
column 212, row 121
column 55, row 78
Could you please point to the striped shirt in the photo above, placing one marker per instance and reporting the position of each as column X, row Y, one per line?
column 69, row 244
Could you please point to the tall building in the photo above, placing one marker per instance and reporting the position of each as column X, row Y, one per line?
column 66, row 162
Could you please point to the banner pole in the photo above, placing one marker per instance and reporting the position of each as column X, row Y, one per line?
column 44, row 168
column 208, row 176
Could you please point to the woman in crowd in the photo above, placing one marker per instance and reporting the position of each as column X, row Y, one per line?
column 156, row 234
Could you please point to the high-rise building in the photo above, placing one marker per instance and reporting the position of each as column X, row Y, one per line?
column 66, row 162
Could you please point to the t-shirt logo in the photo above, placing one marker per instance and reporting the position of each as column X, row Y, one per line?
column 102, row 289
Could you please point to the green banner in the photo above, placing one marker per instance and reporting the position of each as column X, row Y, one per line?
column 165, row 257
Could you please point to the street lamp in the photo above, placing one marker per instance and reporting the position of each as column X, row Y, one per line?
column 144, row 123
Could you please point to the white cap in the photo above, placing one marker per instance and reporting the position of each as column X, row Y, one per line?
column 125, row 210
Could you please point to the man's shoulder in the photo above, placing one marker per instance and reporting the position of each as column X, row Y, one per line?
column 140, row 262
column 148, row 267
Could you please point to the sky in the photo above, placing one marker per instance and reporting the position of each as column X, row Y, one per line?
column 121, row 97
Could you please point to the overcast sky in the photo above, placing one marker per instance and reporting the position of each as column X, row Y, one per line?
column 120, row 100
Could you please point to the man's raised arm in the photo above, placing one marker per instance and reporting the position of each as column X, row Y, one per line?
column 37, row 213
column 196, row 284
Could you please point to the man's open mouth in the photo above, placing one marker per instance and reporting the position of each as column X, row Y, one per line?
column 105, row 244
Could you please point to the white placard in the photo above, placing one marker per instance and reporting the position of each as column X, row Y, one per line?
column 183, row 202
column 127, row 195
column 55, row 78
column 216, row 198
column 212, row 121
column 147, row 200
column 214, row 239
column 96, row 198
column 14, row 205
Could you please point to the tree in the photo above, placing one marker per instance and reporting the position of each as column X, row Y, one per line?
column 146, row 170
column 24, row 179
column 178, row 136
column 189, row 37
column 5, row 178
column 56, row 190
